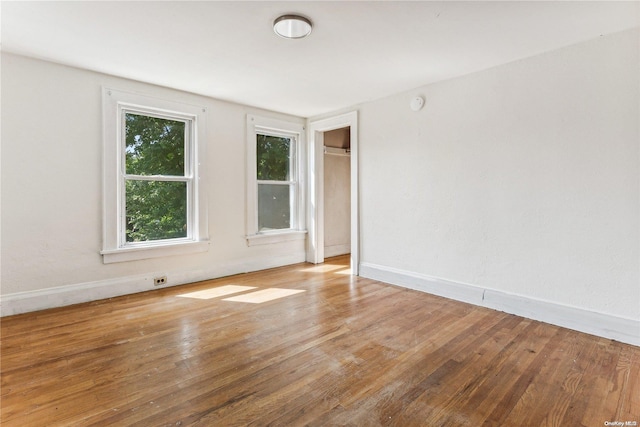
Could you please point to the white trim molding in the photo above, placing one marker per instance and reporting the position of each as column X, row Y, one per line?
column 271, row 238
column 23, row 302
column 151, row 251
column 265, row 125
column 315, row 210
column 115, row 247
column 601, row 324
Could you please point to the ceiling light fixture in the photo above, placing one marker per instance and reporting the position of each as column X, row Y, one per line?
column 292, row 26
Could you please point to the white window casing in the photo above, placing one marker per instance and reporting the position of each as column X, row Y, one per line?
column 257, row 125
column 115, row 248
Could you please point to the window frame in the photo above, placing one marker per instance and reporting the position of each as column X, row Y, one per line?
column 279, row 128
column 116, row 104
column 292, row 182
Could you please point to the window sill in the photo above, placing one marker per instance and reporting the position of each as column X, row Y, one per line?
column 270, row 238
column 110, row 256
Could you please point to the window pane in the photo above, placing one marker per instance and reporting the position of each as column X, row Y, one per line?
column 155, row 210
column 273, row 158
column 154, row 146
column 274, row 209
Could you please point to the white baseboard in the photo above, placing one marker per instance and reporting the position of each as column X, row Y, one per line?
column 579, row 319
column 23, row 302
column 335, row 250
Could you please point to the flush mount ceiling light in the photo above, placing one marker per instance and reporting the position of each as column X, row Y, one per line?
column 292, row 26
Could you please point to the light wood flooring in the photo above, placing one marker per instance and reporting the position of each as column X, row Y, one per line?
column 346, row 351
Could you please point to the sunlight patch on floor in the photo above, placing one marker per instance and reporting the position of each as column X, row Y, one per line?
column 322, row 268
column 217, row 292
column 264, row 295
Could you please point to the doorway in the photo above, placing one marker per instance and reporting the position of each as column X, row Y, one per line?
column 337, row 192
column 327, row 196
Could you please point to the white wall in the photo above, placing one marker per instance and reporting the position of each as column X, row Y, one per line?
column 337, row 205
column 52, row 191
column 523, row 179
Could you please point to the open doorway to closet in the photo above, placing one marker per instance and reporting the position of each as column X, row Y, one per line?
column 337, row 192
column 333, row 189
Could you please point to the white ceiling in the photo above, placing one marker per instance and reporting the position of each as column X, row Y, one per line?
column 358, row 51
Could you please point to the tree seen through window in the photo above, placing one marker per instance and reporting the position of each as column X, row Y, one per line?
column 274, row 156
column 155, row 187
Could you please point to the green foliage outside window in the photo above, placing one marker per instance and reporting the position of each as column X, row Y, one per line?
column 155, row 209
column 273, row 156
column 274, row 164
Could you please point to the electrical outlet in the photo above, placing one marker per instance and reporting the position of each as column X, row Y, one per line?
column 159, row 281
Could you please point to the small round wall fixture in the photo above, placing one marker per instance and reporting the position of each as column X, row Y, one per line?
column 292, row 26
column 417, row 102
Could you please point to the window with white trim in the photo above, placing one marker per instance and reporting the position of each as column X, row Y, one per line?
column 275, row 184
column 153, row 187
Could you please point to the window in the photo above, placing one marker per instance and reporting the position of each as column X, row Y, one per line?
column 152, row 183
column 275, row 191
column 276, row 174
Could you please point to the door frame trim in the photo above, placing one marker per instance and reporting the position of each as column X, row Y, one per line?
column 315, row 201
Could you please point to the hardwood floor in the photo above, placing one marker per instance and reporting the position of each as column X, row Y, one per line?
column 346, row 351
